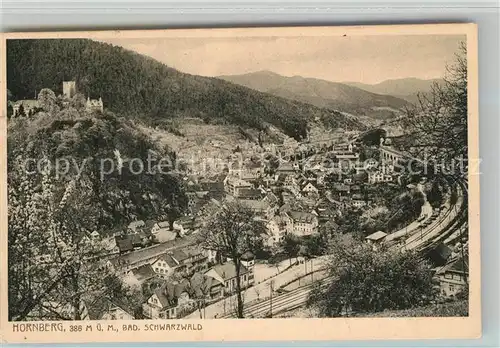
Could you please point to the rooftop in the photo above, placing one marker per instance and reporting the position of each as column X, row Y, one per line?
column 144, row 272
column 457, row 265
column 302, row 217
column 376, row 236
column 30, row 103
column 341, row 187
column 127, row 242
column 151, row 252
column 288, row 167
column 103, row 305
column 163, row 224
column 170, row 260
column 197, row 286
column 228, row 270
column 136, row 224
column 254, row 204
column 238, row 182
column 272, row 198
column 250, row 193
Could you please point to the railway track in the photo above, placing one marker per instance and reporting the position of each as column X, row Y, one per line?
column 280, row 303
column 459, row 223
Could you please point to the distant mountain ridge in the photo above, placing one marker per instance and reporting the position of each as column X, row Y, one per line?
column 406, row 88
column 140, row 87
column 321, row 93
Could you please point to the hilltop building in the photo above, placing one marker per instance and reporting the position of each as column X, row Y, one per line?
column 94, row 105
column 69, row 89
column 24, row 107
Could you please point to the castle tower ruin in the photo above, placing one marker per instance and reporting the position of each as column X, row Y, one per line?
column 69, row 89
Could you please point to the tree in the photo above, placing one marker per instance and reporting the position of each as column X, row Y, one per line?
column 174, row 208
column 349, row 221
column 316, row 244
column 198, row 288
column 232, row 230
column 291, row 246
column 362, row 280
column 435, row 195
column 47, row 100
column 54, row 265
column 437, row 126
column 78, row 101
column 272, row 165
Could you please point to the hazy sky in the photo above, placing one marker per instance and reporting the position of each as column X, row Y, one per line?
column 367, row 59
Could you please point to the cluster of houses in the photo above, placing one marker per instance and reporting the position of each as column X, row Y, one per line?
column 174, row 298
column 187, row 273
column 290, row 200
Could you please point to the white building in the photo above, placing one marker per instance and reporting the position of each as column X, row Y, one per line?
column 236, row 186
column 358, row 203
column 277, row 230
column 28, row 107
column 301, row 223
column 375, row 177
column 94, row 105
column 452, row 277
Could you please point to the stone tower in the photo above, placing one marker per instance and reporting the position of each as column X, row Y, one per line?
column 69, row 89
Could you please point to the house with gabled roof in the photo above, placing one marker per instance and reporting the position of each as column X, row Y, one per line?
column 325, row 211
column 166, row 300
column 310, row 188
column 234, row 185
column 139, row 275
column 174, row 297
column 454, row 276
column 225, row 274
column 110, row 309
column 164, row 265
column 285, row 168
column 129, row 242
column 180, row 260
column 122, row 263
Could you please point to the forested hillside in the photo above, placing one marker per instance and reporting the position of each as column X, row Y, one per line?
column 137, row 86
column 100, row 152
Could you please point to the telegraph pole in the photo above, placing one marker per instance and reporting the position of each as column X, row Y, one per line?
column 271, row 285
column 312, row 271
column 462, row 239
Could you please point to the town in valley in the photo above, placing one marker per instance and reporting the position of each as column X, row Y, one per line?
column 332, row 210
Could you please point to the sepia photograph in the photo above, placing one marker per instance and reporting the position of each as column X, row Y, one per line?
column 171, row 179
